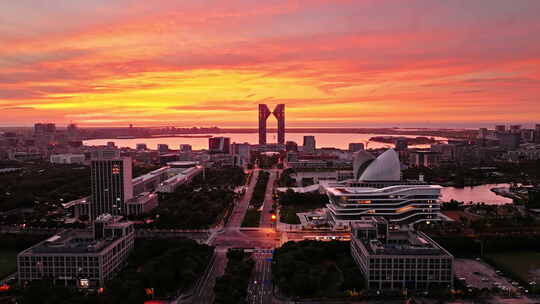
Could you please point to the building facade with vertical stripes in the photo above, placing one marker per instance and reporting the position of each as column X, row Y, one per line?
column 111, row 183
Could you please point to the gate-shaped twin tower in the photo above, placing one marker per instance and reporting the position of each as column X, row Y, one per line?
column 279, row 113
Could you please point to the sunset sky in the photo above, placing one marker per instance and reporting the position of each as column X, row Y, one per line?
column 332, row 62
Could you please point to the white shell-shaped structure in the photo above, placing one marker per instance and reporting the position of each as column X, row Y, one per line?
column 386, row 167
column 361, row 161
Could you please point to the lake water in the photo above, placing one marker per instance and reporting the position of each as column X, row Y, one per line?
column 340, row 140
column 476, row 194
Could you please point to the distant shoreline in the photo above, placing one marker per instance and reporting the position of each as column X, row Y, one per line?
column 153, row 133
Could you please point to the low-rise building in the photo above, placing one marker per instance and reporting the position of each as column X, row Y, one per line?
column 428, row 159
column 355, row 147
column 142, row 203
column 24, row 156
column 67, row 159
column 182, row 172
column 395, row 259
column 84, row 259
column 523, row 154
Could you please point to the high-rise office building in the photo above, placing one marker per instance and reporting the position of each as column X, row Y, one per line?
column 242, row 154
column 355, row 147
column 219, row 145
column 309, row 144
column 264, row 112
column 279, row 113
column 111, row 183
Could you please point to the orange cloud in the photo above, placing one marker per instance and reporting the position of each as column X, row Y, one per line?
column 330, row 62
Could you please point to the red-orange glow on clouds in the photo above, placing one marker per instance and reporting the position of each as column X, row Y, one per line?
column 333, row 63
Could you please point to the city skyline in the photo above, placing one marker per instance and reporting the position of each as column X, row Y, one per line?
column 332, row 63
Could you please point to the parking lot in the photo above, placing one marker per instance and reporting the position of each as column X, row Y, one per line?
column 478, row 274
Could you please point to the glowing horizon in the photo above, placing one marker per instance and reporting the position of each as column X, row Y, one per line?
column 340, row 63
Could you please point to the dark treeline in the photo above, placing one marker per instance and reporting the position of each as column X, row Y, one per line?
column 461, row 175
column 260, row 189
column 231, row 288
column 44, row 182
column 285, row 180
column 314, row 269
column 292, row 203
column 308, row 200
column 41, row 183
column 465, row 246
column 19, row 242
column 198, row 205
column 221, row 177
column 190, row 208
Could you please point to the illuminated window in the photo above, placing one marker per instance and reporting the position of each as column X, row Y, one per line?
column 404, row 209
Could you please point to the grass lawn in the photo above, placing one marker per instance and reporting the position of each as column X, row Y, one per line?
column 292, row 203
column 8, row 263
column 315, row 269
column 287, row 214
column 252, row 218
column 457, row 214
column 523, row 264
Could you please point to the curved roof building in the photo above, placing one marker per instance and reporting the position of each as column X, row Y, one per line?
column 386, row 167
column 361, row 161
column 379, row 191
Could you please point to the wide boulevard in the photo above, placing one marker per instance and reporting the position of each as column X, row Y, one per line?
column 262, row 240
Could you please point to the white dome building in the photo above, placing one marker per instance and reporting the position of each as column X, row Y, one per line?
column 386, row 167
column 379, row 191
column 361, row 161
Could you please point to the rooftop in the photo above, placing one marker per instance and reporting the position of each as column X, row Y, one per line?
column 70, row 242
column 83, row 241
column 150, row 175
column 396, row 241
column 344, row 191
